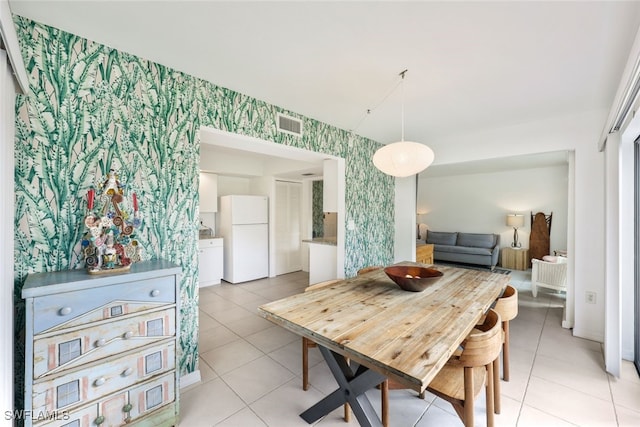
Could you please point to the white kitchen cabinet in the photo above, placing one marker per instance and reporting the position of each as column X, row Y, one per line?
column 208, row 191
column 101, row 350
column 211, row 261
column 322, row 262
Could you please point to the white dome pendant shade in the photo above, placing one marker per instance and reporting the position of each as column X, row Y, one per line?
column 404, row 158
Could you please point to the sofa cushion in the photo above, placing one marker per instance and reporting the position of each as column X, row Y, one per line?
column 476, row 240
column 441, row 238
column 462, row 250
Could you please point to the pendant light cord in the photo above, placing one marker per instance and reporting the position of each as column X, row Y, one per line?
column 384, row 98
column 402, row 110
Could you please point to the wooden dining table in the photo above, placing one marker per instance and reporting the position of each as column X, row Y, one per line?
column 368, row 329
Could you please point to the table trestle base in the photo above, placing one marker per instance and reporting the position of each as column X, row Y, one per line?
column 353, row 381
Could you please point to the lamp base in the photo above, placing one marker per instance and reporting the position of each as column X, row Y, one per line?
column 515, row 244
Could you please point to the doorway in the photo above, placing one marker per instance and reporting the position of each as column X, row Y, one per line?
column 243, row 159
column 288, row 238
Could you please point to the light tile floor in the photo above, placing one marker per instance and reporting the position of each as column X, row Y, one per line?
column 251, row 370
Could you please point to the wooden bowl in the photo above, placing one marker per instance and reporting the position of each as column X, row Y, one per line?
column 414, row 279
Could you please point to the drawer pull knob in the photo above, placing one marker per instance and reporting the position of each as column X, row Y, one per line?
column 65, row 311
column 127, row 408
column 100, row 381
column 126, row 373
column 99, row 420
column 155, row 293
column 127, row 335
column 100, row 342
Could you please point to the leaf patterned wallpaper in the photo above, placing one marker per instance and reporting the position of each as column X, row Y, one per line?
column 316, row 208
column 91, row 108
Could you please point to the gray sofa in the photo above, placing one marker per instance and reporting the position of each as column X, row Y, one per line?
column 468, row 248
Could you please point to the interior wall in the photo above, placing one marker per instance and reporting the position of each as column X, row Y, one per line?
column 7, row 134
column 576, row 132
column 316, row 208
column 143, row 119
column 228, row 185
column 479, row 203
column 624, row 230
column 405, row 219
column 307, row 222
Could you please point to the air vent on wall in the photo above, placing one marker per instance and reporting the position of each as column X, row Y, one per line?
column 289, row 125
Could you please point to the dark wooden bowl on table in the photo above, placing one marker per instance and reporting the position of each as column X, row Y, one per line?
column 412, row 278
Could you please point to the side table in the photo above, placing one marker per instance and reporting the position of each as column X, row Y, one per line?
column 424, row 253
column 515, row 258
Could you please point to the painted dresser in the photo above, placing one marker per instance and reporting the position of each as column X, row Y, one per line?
column 101, row 349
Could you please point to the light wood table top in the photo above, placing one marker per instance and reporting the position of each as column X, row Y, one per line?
column 407, row 336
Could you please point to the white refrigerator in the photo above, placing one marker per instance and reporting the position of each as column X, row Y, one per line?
column 244, row 225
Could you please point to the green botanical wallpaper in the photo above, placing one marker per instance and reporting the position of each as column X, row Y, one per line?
column 316, row 208
column 91, row 108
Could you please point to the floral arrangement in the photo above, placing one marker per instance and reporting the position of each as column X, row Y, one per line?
column 109, row 243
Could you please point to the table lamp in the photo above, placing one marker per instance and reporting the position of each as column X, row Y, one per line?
column 515, row 221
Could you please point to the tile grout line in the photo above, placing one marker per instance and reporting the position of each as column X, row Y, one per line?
column 535, row 356
column 613, row 402
column 546, row 308
column 248, row 405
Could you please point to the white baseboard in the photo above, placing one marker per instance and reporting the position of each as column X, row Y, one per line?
column 190, row 379
column 588, row 334
column 567, row 325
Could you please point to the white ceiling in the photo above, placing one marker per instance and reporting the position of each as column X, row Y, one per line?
column 531, row 161
column 471, row 65
column 231, row 154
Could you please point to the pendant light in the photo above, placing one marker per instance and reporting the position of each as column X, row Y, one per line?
column 403, row 158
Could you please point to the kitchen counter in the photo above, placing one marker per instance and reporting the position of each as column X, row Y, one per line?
column 322, row 241
column 322, row 259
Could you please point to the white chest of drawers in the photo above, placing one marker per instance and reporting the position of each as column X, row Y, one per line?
column 101, row 350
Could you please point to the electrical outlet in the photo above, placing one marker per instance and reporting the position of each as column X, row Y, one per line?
column 590, row 297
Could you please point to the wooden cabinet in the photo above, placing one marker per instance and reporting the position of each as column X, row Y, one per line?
column 515, row 258
column 101, row 350
column 208, row 192
column 424, row 253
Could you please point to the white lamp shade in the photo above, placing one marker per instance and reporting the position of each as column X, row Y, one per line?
column 404, row 158
column 514, row 220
